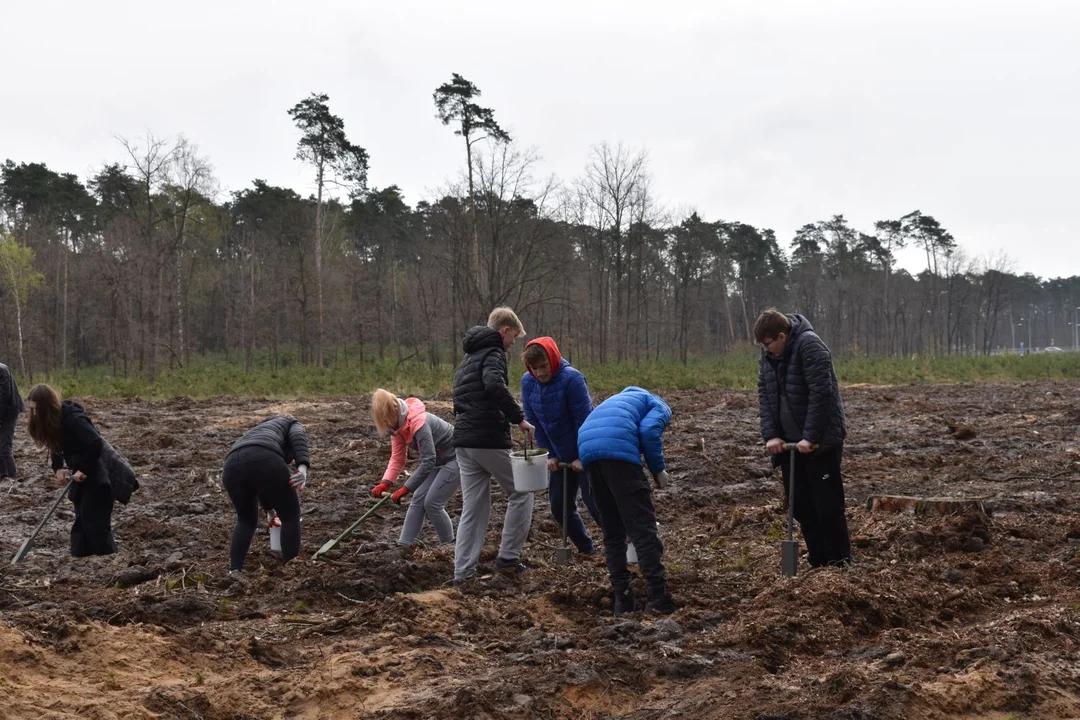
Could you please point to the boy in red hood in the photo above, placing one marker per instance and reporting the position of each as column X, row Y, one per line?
column 556, row 400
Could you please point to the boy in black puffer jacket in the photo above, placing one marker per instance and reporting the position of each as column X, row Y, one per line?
column 483, row 411
column 800, row 403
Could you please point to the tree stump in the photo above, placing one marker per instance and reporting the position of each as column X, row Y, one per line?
column 931, row 506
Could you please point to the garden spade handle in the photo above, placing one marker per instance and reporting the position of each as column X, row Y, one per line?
column 565, row 504
column 25, row 547
column 789, row 552
column 792, row 447
column 330, row 544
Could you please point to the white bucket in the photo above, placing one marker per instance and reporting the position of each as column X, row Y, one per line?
column 275, row 538
column 631, row 551
column 530, row 475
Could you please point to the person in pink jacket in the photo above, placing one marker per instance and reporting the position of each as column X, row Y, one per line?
column 435, row 479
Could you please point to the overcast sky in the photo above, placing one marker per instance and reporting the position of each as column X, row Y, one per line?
column 774, row 113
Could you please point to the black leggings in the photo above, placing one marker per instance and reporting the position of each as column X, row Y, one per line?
column 254, row 475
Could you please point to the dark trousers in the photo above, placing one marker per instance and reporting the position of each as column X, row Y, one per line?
column 624, row 498
column 575, row 528
column 254, row 475
column 7, row 459
column 91, row 533
column 819, row 505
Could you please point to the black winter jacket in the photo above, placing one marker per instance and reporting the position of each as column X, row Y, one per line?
column 80, row 441
column 11, row 402
column 282, row 434
column 805, row 374
column 483, row 405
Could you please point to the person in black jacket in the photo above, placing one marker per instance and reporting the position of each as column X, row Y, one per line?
column 483, row 411
column 76, row 447
column 257, row 472
column 800, row 403
column 11, row 404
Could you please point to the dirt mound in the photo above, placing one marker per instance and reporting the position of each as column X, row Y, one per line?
column 942, row 616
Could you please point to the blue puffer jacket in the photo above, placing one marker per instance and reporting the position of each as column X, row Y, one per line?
column 625, row 427
column 558, row 407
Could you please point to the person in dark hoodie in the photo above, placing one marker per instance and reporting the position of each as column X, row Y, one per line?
column 556, row 400
column 799, row 402
column 257, row 472
column 483, row 411
column 77, row 447
column 11, row 405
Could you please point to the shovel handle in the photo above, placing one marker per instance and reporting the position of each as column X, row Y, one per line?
column 790, row 446
column 382, row 500
column 29, row 542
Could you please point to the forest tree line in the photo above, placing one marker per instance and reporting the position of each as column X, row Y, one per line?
column 145, row 264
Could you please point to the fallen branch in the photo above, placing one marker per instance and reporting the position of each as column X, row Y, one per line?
column 924, row 505
column 1028, row 477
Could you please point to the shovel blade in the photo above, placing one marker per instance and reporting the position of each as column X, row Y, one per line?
column 23, row 550
column 789, row 557
column 327, row 547
column 562, row 556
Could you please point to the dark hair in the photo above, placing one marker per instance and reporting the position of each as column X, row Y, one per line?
column 535, row 355
column 44, row 421
column 770, row 324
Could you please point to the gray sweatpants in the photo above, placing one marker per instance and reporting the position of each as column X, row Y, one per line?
column 478, row 466
column 430, row 499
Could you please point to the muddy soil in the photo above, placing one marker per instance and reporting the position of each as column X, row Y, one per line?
column 959, row 616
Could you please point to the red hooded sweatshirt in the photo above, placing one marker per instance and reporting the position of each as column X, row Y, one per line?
column 554, row 356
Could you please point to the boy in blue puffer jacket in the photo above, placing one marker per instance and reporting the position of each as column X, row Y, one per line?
column 610, row 445
column 556, row 400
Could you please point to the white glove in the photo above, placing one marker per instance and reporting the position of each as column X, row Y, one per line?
column 662, row 479
column 299, row 478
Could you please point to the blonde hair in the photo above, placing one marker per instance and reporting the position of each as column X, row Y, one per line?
column 503, row 317
column 384, row 411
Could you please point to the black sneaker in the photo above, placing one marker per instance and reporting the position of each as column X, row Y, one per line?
column 660, row 603
column 624, row 602
column 514, row 564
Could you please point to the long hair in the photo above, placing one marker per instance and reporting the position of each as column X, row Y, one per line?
column 384, row 411
column 44, row 422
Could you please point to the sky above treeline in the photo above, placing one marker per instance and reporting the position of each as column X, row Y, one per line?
column 775, row 114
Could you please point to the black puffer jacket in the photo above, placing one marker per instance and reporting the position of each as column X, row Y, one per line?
column 11, row 402
column 483, row 405
column 282, row 434
column 804, row 372
column 80, row 442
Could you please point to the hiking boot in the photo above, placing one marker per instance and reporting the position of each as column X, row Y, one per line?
column 513, row 564
column 624, row 602
column 660, row 602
